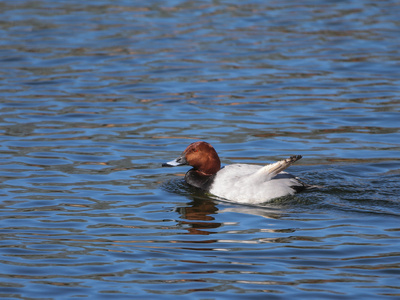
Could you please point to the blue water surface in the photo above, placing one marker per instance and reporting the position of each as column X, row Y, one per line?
column 96, row 95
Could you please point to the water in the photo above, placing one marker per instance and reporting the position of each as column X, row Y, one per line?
column 96, row 95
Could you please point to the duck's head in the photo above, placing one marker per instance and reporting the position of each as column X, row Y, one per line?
column 201, row 156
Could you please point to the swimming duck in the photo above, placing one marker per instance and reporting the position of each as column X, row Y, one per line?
column 241, row 183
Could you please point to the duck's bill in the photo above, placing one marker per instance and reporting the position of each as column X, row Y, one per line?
column 180, row 161
column 172, row 163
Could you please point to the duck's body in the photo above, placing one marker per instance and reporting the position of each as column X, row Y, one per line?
column 242, row 183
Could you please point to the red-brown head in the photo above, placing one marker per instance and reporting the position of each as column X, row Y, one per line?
column 201, row 156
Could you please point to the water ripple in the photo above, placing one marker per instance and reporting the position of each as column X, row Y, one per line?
column 95, row 96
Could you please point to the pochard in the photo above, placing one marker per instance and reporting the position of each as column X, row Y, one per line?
column 241, row 183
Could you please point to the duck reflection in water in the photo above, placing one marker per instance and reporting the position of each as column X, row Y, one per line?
column 198, row 217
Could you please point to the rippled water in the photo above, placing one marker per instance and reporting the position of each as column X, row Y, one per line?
column 95, row 95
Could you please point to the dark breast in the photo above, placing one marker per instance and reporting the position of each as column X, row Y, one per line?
column 199, row 180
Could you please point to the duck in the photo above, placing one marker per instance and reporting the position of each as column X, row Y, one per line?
column 240, row 183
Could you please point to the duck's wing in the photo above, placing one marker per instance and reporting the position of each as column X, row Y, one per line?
column 271, row 170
